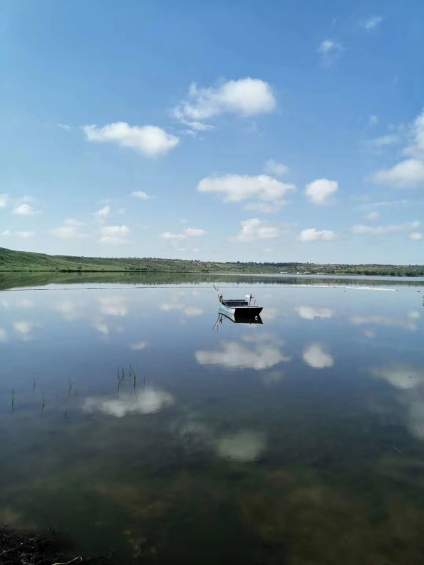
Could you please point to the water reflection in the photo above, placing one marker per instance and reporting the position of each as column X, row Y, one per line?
column 147, row 401
column 317, row 357
column 312, row 313
column 244, row 446
column 249, row 353
column 276, row 435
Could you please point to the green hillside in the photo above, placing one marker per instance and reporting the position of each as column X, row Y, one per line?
column 20, row 261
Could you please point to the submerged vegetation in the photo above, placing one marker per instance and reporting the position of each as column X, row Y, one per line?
column 21, row 261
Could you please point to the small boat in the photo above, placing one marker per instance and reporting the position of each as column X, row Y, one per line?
column 239, row 309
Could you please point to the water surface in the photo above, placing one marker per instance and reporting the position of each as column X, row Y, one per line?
column 135, row 423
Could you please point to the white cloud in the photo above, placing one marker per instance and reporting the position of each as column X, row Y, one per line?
column 140, row 195
column 329, row 51
column 406, row 174
column 416, row 147
column 320, row 190
column 24, row 209
column 244, row 97
column 114, row 234
column 388, row 229
column 316, row 357
column 234, row 355
column 416, row 236
column 147, row 401
column 185, row 234
column 384, row 141
column 373, row 120
column 372, row 23
column 243, row 447
column 311, row 313
column 372, row 216
column 312, row 234
column 103, row 213
column 274, row 168
column 254, row 229
column 151, row 141
column 20, row 234
column 4, row 200
column 261, row 189
column 71, row 229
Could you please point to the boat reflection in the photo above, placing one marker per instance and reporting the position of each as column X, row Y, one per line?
column 237, row 318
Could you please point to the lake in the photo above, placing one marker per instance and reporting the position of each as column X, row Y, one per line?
column 137, row 422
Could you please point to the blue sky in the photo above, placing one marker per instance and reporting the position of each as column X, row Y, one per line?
column 240, row 130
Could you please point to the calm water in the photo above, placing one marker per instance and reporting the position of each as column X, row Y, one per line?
column 130, row 422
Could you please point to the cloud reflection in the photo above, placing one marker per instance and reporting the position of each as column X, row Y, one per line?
column 243, row 447
column 190, row 311
column 235, row 355
column 316, row 357
column 139, row 345
column 113, row 305
column 403, row 377
column 311, row 313
column 24, row 329
column 147, row 401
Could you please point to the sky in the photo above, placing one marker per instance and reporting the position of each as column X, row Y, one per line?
column 242, row 130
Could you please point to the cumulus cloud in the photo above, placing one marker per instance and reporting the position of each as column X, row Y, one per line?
column 140, row 195
column 151, row 141
column 103, row 213
column 261, row 189
column 316, row 357
column 114, row 234
column 416, row 236
column 244, row 97
column 372, row 23
column 361, row 229
column 71, row 229
column 255, row 229
column 235, row 355
column 311, row 312
column 408, row 173
column 185, row 234
column 24, row 209
column 242, row 447
column 312, row 234
column 147, row 401
column 320, row 190
column 274, row 168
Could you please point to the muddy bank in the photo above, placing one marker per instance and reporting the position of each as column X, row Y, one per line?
column 48, row 548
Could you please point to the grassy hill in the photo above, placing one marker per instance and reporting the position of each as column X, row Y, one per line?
column 21, row 261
